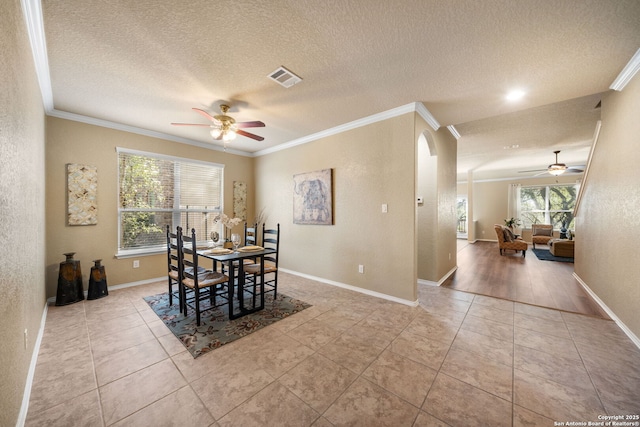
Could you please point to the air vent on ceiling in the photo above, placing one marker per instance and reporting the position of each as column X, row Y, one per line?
column 284, row 77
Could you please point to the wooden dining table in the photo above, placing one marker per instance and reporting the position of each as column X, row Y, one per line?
column 235, row 260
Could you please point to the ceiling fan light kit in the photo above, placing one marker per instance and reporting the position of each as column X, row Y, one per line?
column 557, row 169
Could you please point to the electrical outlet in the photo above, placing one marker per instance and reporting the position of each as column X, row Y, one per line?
column 361, row 268
column 384, row 208
column 136, row 263
column 26, row 339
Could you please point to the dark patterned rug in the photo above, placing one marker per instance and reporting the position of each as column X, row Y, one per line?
column 545, row 255
column 215, row 328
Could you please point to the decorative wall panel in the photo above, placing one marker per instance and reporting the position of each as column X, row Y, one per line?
column 82, row 190
column 240, row 200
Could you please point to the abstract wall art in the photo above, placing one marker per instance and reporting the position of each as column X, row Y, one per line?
column 313, row 197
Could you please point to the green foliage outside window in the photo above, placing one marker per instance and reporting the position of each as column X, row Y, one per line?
column 141, row 187
column 552, row 204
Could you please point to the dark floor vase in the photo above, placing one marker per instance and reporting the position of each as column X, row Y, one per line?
column 97, row 281
column 70, row 288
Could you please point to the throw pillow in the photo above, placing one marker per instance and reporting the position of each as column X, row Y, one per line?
column 543, row 232
column 508, row 235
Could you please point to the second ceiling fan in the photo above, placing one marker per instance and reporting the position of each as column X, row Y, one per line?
column 224, row 127
column 557, row 169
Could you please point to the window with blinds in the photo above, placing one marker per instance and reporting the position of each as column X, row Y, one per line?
column 157, row 190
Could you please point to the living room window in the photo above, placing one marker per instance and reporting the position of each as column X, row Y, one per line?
column 550, row 204
column 156, row 190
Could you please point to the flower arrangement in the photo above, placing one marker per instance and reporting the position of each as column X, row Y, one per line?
column 512, row 222
column 226, row 221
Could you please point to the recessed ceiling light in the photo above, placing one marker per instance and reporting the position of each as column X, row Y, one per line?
column 515, row 95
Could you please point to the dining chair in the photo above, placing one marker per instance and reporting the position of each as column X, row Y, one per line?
column 270, row 240
column 250, row 239
column 174, row 267
column 207, row 285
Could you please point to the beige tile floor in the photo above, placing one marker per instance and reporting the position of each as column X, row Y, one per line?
column 350, row 360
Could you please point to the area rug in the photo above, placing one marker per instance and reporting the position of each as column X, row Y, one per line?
column 545, row 255
column 215, row 328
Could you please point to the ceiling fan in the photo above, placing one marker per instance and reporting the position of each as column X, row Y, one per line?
column 224, row 127
column 557, row 169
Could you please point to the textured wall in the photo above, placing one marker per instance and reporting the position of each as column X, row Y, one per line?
column 372, row 165
column 22, row 190
column 436, row 216
column 608, row 221
column 73, row 142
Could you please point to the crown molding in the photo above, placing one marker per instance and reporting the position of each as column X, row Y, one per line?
column 627, row 73
column 32, row 10
column 454, row 131
column 140, row 131
column 417, row 107
column 427, row 116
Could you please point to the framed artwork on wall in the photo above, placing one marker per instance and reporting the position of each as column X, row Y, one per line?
column 313, row 197
column 82, row 194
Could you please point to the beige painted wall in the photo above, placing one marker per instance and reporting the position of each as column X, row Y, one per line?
column 436, row 228
column 490, row 200
column 372, row 165
column 608, row 220
column 73, row 142
column 22, row 228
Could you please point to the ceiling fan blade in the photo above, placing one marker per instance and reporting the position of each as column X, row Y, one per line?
column 205, row 114
column 574, row 170
column 249, row 135
column 255, row 124
column 534, row 170
column 191, row 124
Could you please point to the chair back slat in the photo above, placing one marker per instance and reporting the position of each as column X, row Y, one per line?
column 271, row 240
column 250, row 235
column 190, row 256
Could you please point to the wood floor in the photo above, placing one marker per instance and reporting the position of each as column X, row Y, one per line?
column 481, row 270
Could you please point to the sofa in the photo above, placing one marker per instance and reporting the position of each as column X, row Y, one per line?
column 507, row 240
column 541, row 234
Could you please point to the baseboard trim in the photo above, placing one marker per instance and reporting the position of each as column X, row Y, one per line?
column 441, row 281
column 52, row 300
column 24, row 408
column 352, row 288
column 609, row 312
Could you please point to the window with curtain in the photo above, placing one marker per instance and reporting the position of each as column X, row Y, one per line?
column 550, row 204
column 157, row 190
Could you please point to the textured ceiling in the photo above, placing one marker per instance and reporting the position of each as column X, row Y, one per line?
column 146, row 63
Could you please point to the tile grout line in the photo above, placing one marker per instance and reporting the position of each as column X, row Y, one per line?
column 595, row 388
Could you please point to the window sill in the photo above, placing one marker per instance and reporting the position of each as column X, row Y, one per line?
column 132, row 253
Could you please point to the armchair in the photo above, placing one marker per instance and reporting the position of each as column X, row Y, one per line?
column 541, row 234
column 505, row 241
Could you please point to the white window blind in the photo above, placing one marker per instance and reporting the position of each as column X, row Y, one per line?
column 156, row 191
